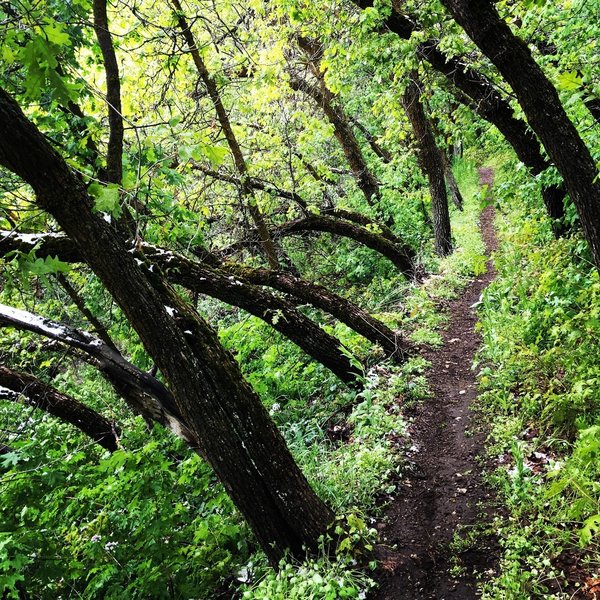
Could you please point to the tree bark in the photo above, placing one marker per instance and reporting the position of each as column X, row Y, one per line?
column 365, row 179
column 144, row 394
column 114, row 156
column 343, row 310
column 542, row 107
column 19, row 387
column 246, row 193
column 277, row 312
column 401, row 256
column 432, row 164
column 245, row 449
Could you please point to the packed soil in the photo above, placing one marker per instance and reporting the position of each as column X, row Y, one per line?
column 442, row 495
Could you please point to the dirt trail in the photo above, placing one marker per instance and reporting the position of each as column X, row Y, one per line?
column 444, row 492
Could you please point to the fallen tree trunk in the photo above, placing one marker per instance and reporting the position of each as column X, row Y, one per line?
column 22, row 388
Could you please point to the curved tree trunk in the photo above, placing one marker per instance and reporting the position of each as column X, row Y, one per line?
column 241, row 442
column 401, row 256
column 542, row 107
column 432, row 164
column 236, row 285
column 277, row 312
column 343, row 310
column 356, row 217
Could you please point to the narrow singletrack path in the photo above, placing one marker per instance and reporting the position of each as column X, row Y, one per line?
column 444, row 493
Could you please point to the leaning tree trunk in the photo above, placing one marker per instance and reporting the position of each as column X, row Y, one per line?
column 26, row 389
column 433, row 166
column 267, row 243
column 342, row 128
column 114, row 156
column 382, row 153
column 277, row 312
column 542, row 107
column 240, row 441
column 237, row 285
column 343, row 310
column 401, row 256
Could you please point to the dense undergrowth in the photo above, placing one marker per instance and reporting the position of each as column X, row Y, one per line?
column 540, row 374
column 150, row 520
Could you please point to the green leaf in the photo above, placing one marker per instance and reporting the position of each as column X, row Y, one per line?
column 10, row 459
column 45, row 266
column 569, row 81
column 215, row 154
column 55, row 32
column 591, row 528
column 107, row 198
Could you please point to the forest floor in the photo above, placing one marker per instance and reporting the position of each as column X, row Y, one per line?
column 434, row 519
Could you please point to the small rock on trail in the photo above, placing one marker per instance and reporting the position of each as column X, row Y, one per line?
column 443, row 493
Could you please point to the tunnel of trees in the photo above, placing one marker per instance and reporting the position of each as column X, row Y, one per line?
column 214, row 222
